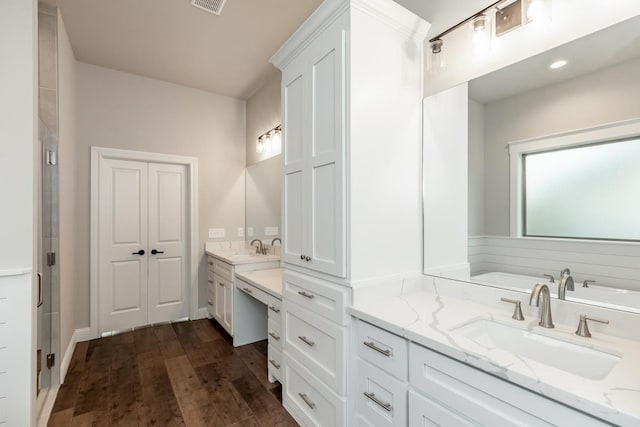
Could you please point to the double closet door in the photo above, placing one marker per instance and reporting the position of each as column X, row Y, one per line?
column 143, row 229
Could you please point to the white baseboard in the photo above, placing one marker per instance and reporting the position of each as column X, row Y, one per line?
column 83, row 334
column 68, row 354
column 202, row 313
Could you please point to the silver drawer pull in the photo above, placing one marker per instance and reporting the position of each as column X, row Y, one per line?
column 210, row 281
column 372, row 346
column 306, row 340
column 372, row 397
column 308, row 401
column 274, row 309
column 274, row 363
column 247, row 290
column 306, row 295
column 274, row 336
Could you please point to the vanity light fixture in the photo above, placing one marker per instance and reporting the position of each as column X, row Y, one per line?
column 558, row 64
column 270, row 141
column 534, row 10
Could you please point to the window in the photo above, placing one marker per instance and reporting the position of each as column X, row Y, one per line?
column 582, row 185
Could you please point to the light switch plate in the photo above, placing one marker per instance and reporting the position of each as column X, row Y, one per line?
column 250, row 231
column 240, row 231
column 271, row 231
column 216, row 233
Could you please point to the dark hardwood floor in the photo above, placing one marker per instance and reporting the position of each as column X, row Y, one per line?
column 180, row 374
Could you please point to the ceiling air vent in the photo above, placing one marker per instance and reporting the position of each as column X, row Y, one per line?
column 211, row 6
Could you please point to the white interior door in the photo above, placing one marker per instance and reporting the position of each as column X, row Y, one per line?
column 123, row 259
column 168, row 264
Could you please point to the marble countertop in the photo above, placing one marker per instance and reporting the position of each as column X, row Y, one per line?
column 241, row 256
column 430, row 319
column 269, row 280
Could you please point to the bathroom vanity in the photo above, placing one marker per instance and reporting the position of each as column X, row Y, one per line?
column 242, row 323
column 449, row 353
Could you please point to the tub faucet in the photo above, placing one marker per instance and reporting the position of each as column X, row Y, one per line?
column 566, row 282
column 540, row 290
column 259, row 248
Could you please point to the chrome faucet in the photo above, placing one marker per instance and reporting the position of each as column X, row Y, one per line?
column 274, row 241
column 545, row 311
column 259, row 248
column 566, row 282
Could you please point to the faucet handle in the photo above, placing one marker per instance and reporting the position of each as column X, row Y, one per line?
column 517, row 312
column 565, row 271
column 583, row 327
column 585, row 284
column 550, row 277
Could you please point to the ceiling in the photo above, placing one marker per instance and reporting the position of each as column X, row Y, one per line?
column 229, row 54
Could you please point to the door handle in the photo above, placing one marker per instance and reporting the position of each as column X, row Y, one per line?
column 40, row 298
column 154, row 252
column 140, row 252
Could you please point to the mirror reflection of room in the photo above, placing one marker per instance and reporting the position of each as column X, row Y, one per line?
column 570, row 207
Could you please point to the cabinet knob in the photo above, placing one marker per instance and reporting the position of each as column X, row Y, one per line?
column 302, row 257
column 307, row 258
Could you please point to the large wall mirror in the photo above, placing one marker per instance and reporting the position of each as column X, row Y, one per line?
column 554, row 171
column 263, row 187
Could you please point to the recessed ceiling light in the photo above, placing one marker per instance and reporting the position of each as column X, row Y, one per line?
column 558, row 64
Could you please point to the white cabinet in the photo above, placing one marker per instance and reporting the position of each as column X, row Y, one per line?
column 222, row 297
column 351, row 103
column 223, row 303
column 314, row 177
column 274, row 333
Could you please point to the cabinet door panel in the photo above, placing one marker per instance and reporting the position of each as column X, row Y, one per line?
column 294, row 210
column 326, row 159
column 292, row 226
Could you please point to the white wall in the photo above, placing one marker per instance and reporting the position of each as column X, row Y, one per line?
column 476, row 169
column 121, row 110
column 68, row 174
column 601, row 97
column 263, row 114
column 571, row 19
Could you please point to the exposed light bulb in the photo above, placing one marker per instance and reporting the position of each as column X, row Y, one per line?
column 481, row 34
column 558, row 64
column 538, row 11
column 259, row 145
column 277, row 140
column 437, row 60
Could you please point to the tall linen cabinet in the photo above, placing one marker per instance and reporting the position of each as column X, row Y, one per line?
column 351, row 214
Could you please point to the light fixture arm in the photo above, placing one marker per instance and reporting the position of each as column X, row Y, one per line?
column 469, row 19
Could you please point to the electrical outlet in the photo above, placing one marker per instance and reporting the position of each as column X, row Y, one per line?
column 271, row 231
column 216, row 233
column 250, row 231
column 240, row 231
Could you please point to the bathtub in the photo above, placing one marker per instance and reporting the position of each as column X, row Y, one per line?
column 620, row 299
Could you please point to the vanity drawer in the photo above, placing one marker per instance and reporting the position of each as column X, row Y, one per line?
column 275, row 309
column 210, row 264
column 317, row 344
column 310, row 401
column 426, row 412
column 321, row 297
column 275, row 362
column 381, row 400
column 211, row 302
column 383, row 349
column 274, row 333
column 223, row 269
column 483, row 398
column 248, row 288
column 211, row 280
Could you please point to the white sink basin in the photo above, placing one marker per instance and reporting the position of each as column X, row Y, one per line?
column 577, row 359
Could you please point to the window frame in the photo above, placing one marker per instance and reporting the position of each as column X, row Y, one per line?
column 517, row 149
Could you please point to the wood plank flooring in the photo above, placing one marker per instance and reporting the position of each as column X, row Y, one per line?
column 184, row 374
